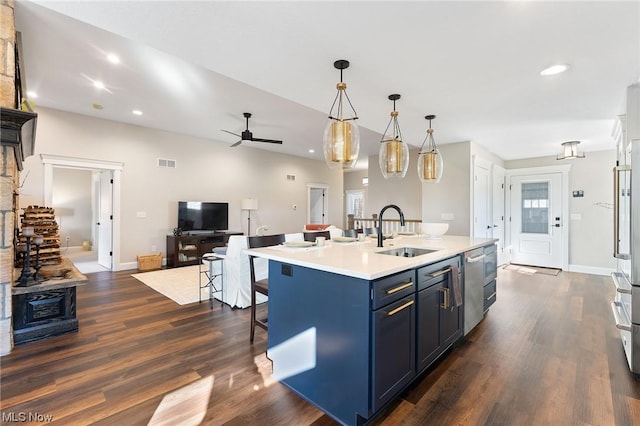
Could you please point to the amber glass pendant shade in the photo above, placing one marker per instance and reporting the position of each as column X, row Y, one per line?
column 393, row 156
column 341, row 143
column 430, row 162
column 341, row 139
column 430, row 166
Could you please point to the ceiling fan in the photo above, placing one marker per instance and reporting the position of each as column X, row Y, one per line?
column 247, row 136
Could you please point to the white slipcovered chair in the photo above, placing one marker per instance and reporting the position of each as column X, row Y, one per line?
column 236, row 273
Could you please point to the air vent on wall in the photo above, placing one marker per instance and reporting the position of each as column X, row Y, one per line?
column 163, row 162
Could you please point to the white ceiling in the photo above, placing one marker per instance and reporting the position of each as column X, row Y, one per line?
column 195, row 67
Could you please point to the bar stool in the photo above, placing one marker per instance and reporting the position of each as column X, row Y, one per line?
column 208, row 276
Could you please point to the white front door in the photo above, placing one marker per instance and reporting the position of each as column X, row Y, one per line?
column 536, row 220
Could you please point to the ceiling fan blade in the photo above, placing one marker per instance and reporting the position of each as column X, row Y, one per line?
column 237, row 143
column 266, row 140
column 234, row 134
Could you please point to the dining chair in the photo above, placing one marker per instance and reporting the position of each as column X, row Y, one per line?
column 350, row 233
column 260, row 286
column 311, row 236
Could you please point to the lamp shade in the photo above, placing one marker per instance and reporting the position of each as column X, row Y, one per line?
column 249, row 204
column 430, row 162
column 341, row 143
column 394, row 153
column 341, row 139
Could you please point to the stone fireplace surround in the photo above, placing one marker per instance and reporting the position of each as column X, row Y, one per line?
column 17, row 143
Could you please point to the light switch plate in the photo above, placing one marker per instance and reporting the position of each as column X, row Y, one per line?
column 576, row 216
column 446, row 216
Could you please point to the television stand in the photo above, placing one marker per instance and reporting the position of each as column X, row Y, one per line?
column 185, row 250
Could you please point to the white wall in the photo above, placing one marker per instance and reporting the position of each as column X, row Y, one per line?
column 206, row 171
column 453, row 193
column 591, row 238
column 72, row 201
column 403, row 192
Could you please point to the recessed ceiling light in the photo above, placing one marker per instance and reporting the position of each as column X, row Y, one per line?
column 32, row 95
column 114, row 59
column 98, row 85
column 311, row 151
column 554, row 69
column 136, row 112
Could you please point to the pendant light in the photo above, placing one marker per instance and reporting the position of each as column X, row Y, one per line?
column 570, row 151
column 341, row 140
column 430, row 162
column 394, row 153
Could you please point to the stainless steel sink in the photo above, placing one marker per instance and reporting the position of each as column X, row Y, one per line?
column 407, row 251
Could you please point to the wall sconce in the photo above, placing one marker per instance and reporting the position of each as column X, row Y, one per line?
column 341, row 140
column 430, row 163
column 570, row 151
column 249, row 204
column 394, row 153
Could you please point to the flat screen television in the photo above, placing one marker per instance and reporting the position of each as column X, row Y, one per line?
column 203, row 216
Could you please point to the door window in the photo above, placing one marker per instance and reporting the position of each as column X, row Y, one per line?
column 535, row 208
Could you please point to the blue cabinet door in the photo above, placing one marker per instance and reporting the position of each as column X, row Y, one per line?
column 393, row 349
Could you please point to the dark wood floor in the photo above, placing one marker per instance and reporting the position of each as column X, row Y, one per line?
column 547, row 354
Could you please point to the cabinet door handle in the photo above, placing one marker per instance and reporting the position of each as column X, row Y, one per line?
column 475, row 259
column 399, row 308
column 437, row 274
column 400, row 287
column 446, row 298
column 490, row 296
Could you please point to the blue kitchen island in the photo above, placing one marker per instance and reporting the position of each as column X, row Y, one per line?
column 351, row 327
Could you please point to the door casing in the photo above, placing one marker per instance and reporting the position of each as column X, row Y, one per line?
column 532, row 171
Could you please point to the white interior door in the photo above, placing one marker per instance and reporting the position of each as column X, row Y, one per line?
column 498, row 212
column 105, row 220
column 536, row 220
column 317, row 209
column 354, row 203
column 482, row 227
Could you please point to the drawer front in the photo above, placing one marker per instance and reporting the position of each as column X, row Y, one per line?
column 436, row 272
column 390, row 289
column 490, row 294
column 490, row 263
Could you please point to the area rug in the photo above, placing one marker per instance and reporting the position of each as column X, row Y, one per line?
column 178, row 284
column 529, row 270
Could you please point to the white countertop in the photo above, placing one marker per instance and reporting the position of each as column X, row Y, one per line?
column 361, row 260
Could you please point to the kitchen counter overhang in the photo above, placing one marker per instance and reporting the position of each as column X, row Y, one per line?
column 363, row 259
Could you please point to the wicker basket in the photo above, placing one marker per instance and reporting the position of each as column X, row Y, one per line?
column 150, row 262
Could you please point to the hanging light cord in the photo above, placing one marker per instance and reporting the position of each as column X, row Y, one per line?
column 338, row 96
column 397, row 134
column 432, row 142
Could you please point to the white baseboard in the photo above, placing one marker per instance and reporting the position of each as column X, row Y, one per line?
column 134, row 265
column 590, row 270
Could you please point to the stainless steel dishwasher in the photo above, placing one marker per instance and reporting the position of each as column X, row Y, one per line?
column 473, row 288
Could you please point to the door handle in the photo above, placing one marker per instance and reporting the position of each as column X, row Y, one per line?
column 446, row 302
column 557, row 225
